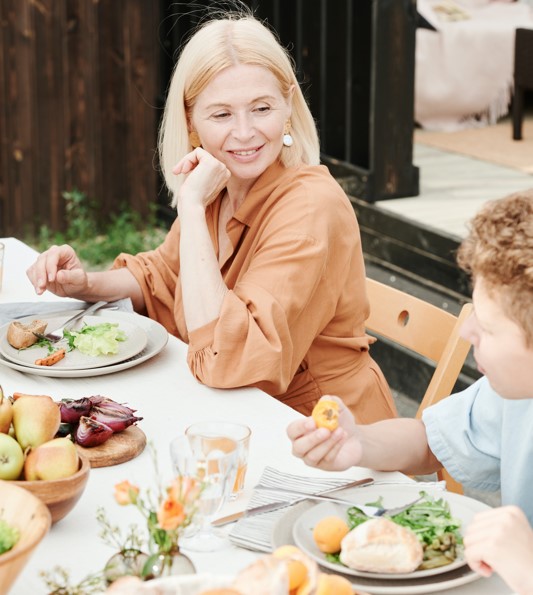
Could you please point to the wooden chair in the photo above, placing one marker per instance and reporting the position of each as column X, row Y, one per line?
column 424, row 329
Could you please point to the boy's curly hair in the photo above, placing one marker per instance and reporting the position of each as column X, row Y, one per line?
column 499, row 248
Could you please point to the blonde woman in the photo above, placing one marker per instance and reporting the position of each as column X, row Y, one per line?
column 262, row 272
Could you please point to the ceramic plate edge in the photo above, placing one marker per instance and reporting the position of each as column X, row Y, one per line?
column 157, row 340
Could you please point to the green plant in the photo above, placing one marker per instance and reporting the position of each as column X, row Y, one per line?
column 99, row 242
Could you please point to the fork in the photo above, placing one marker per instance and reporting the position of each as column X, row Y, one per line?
column 373, row 511
column 58, row 334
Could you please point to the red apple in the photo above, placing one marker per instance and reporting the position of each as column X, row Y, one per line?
column 6, row 412
column 11, row 457
column 36, row 419
column 54, row 459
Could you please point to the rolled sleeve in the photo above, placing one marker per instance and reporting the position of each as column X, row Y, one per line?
column 464, row 433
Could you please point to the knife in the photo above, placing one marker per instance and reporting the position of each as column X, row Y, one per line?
column 271, row 506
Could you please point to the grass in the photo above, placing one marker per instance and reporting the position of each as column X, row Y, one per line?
column 97, row 243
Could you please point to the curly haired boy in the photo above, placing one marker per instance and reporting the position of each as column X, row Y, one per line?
column 483, row 435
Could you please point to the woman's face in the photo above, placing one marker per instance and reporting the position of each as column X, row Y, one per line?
column 240, row 118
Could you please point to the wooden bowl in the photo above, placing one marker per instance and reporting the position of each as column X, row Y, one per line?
column 20, row 509
column 60, row 495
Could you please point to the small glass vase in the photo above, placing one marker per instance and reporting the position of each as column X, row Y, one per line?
column 173, row 563
column 127, row 562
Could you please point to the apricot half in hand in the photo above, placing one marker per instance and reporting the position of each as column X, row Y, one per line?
column 326, row 414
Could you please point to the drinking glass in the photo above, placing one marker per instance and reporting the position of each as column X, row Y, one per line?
column 215, row 470
column 221, row 434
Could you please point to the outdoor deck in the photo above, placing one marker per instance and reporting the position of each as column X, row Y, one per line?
column 452, row 189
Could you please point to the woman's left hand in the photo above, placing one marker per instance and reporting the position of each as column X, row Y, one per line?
column 205, row 177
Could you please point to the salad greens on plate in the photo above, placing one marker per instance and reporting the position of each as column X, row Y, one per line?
column 96, row 339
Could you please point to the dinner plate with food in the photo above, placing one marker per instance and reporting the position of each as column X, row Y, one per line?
column 103, row 343
column 94, row 343
column 416, row 551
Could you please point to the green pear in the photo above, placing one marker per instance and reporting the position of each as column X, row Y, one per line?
column 6, row 412
column 11, row 457
column 36, row 419
column 54, row 459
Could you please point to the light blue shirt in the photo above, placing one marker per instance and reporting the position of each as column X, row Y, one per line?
column 485, row 442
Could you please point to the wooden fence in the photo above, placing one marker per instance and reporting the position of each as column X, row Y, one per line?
column 82, row 84
column 79, row 105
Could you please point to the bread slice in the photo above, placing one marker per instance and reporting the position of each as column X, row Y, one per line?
column 21, row 335
column 380, row 545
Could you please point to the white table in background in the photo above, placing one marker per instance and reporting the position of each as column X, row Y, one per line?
column 169, row 399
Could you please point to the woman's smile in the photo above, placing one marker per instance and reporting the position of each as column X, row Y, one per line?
column 242, row 108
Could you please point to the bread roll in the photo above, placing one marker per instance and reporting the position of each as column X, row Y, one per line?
column 21, row 335
column 266, row 576
column 379, row 545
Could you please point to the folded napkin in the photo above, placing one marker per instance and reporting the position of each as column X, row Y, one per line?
column 255, row 533
column 9, row 312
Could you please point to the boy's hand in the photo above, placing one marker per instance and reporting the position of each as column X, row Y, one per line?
column 331, row 451
column 501, row 540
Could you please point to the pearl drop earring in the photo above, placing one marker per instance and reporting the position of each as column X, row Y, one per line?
column 288, row 141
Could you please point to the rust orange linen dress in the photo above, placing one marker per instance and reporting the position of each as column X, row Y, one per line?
column 293, row 320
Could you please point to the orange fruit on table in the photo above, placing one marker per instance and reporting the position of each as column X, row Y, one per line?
column 296, row 569
column 326, row 414
column 333, row 584
column 328, row 534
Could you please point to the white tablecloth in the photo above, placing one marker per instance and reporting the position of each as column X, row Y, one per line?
column 169, row 398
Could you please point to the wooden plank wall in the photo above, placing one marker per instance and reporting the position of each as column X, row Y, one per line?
column 79, row 86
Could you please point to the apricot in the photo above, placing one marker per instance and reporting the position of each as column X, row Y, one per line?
column 328, row 534
column 296, row 569
column 326, row 414
column 333, row 584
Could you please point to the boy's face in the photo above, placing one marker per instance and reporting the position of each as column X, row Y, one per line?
column 500, row 346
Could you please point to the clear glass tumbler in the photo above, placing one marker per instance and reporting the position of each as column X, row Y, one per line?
column 221, row 434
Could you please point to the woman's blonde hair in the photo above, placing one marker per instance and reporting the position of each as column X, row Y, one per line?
column 499, row 248
column 218, row 44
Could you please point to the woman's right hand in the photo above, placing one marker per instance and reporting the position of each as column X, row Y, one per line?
column 206, row 177
column 59, row 270
column 319, row 447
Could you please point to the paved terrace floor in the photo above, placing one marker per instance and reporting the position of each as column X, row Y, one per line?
column 452, row 189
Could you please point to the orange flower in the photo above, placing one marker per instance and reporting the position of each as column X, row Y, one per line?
column 184, row 489
column 170, row 515
column 126, row 493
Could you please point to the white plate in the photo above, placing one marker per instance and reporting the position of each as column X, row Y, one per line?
column 156, row 334
column 135, row 342
column 462, row 507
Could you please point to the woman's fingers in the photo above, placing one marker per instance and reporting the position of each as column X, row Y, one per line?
column 47, row 271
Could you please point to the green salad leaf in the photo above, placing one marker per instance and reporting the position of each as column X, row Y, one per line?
column 8, row 536
column 96, row 339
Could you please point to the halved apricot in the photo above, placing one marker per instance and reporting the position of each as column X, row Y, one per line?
column 326, row 414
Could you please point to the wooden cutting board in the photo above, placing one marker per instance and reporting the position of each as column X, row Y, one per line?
column 121, row 447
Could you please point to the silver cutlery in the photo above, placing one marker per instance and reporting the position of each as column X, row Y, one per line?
column 373, row 511
column 263, row 508
column 57, row 333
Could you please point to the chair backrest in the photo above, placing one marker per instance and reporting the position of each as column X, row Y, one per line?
column 425, row 329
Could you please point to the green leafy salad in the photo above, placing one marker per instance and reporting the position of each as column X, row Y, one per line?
column 8, row 536
column 96, row 339
column 431, row 520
